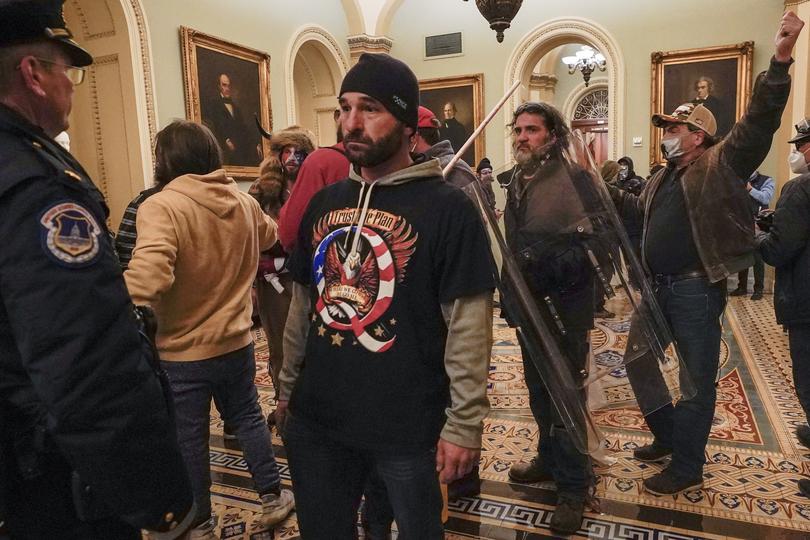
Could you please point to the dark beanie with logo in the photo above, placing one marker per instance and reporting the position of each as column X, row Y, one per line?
column 389, row 81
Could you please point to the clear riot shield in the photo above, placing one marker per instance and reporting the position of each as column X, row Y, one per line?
column 634, row 360
column 537, row 336
column 578, row 252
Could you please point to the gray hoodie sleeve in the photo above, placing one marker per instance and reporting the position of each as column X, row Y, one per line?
column 466, row 360
column 295, row 339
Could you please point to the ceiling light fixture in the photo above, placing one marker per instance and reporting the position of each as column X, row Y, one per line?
column 587, row 59
column 499, row 14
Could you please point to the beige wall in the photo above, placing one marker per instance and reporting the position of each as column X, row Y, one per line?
column 267, row 25
column 638, row 26
column 270, row 25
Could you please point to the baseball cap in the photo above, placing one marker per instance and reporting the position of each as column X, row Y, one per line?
column 688, row 113
column 802, row 132
column 24, row 21
column 427, row 119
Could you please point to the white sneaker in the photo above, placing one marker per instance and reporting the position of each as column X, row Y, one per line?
column 205, row 530
column 276, row 507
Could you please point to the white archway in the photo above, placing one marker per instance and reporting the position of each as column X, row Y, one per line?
column 329, row 49
column 545, row 37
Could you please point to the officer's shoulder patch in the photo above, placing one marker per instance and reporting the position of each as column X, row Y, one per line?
column 70, row 234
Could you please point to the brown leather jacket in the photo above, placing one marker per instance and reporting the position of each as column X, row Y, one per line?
column 714, row 184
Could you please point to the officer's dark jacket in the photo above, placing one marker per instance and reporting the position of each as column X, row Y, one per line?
column 714, row 184
column 787, row 247
column 75, row 377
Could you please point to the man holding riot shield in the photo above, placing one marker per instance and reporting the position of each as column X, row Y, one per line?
column 697, row 231
column 549, row 233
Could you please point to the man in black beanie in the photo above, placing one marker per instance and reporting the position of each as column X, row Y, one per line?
column 390, row 321
column 484, row 174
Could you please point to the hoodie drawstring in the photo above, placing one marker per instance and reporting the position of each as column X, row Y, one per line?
column 353, row 259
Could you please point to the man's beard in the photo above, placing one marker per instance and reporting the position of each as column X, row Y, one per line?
column 530, row 157
column 291, row 175
column 376, row 152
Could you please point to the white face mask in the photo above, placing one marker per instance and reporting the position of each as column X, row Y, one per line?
column 671, row 148
column 797, row 162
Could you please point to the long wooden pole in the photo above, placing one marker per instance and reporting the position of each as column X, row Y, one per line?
column 480, row 128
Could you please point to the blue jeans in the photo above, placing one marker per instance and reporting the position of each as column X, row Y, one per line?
column 230, row 378
column 329, row 478
column 692, row 308
column 799, row 337
column 572, row 470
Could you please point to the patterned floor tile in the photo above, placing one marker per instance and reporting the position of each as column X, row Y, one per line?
column 745, row 481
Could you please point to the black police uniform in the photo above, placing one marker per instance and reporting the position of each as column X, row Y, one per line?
column 86, row 431
column 87, row 444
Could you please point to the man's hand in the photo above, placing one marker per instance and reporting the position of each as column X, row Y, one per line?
column 230, row 145
column 281, row 414
column 789, row 29
column 453, row 461
column 748, row 186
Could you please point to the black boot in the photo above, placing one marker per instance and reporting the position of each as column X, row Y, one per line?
column 803, row 434
column 651, row 453
column 804, row 487
column 530, row 473
column 668, row 483
column 567, row 518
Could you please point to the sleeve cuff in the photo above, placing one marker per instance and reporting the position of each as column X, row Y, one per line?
column 464, row 436
column 779, row 70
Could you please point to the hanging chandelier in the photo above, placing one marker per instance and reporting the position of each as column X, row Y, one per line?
column 587, row 60
column 499, row 14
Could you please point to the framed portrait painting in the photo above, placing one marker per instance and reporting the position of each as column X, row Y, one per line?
column 458, row 103
column 717, row 77
column 227, row 87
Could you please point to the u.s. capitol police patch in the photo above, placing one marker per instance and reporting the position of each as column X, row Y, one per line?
column 70, row 234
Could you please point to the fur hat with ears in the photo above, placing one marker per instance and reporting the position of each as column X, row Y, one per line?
column 301, row 138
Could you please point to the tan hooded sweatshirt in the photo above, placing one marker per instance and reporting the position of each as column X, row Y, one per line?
column 194, row 262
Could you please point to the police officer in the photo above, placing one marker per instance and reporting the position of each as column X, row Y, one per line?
column 87, row 443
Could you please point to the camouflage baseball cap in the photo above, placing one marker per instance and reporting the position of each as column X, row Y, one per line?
column 688, row 113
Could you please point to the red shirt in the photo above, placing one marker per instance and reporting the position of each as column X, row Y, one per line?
column 321, row 168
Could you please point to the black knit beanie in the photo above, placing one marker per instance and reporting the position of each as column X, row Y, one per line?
column 389, row 81
column 484, row 164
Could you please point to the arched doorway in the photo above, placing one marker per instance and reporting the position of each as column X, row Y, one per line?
column 591, row 117
column 564, row 31
column 316, row 66
column 113, row 119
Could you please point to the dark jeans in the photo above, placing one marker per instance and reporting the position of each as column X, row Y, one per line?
column 759, row 275
column 571, row 469
column 692, row 307
column 329, row 478
column 42, row 508
column 799, row 337
column 230, row 377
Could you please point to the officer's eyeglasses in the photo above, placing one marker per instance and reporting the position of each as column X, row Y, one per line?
column 73, row 73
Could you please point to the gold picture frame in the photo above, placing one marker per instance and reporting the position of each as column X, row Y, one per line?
column 225, row 86
column 723, row 71
column 466, row 92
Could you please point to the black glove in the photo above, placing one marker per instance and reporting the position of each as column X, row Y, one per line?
column 764, row 220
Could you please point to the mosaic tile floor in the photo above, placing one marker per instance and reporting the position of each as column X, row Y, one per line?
column 753, row 456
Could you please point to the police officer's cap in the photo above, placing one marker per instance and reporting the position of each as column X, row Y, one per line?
column 802, row 132
column 25, row 21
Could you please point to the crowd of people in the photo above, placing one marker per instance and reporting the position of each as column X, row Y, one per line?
column 371, row 267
